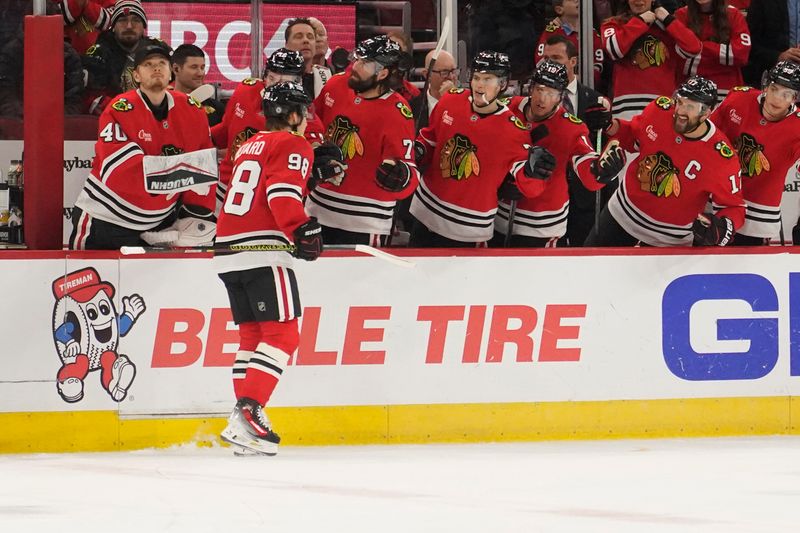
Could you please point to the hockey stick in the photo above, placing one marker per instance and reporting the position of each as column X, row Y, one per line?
column 439, row 45
column 598, row 195
column 203, row 93
column 235, row 248
column 539, row 132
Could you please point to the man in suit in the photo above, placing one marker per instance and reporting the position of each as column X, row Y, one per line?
column 578, row 98
column 443, row 78
column 775, row 32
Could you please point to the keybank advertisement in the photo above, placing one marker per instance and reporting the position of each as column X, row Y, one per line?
column 155, row 336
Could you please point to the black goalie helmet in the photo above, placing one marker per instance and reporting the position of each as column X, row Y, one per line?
column 699, row 89
column 285, row 61
column 786, row 73
column 491, row 62
column 380, row 49
column 283, row 99
column 550, row 74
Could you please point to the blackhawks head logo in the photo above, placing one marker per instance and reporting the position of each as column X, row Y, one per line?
column 659, row 175
column 650, row 52
column 751, row 155
column 239, row 140
column 345, row 134
column 458, row 158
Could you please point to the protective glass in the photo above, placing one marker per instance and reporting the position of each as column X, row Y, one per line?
column 274, row 77
column 687, row 106
column 546, row 93
column 780, row 92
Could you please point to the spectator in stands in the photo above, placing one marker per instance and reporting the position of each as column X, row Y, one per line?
column 443, row 77
column 109, row 63
column 645, row 43
column 188, row 65
column 407, row 90
column 567, row 23
column 593, row 109
column 84, row 20
column 726, row 42
column 775, row 30
column 322, row 50
column 300, row 36
column 12, row 73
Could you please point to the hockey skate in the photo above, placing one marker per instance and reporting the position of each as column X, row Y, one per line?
column 249, row 430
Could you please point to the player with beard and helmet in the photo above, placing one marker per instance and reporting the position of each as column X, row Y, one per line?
column 683, row 162
column 374, row 128
column 264, row 207
column 147, row 139
column 764, row 127
column 244, row 117
column 541, row 220
column 472, row 143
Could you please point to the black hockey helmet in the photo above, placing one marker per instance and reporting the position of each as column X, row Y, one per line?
column 283, row 99
column 786, row 73
column 550, row 74
column 699, row 89
column 491, row 62
column 380, row 49
column 285, row 61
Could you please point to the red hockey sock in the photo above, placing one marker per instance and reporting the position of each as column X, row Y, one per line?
column 279, row 341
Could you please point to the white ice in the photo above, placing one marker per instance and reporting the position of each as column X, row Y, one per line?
column 694, row 485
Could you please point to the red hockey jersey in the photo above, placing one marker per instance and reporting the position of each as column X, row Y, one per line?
column 544, row 212
column 264, row 203
column 645, row 59
column 767, row 151
column 368, row 131
column 469, row 156
column 672, row 178
column 83, row 23
column 243, row 118
column 720, row 62
column 551, row 30
column 115, row 189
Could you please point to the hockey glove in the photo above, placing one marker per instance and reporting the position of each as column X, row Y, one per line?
column 421, row 155
column 508, row 191
column 328, row 166
column 597, row 118
column 610, row 163
column 540, row 163
column 711, row 230
column 308, row 240
column 393, row 175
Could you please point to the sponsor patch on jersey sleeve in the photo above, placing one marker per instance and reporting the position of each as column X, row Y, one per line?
column 122, row 105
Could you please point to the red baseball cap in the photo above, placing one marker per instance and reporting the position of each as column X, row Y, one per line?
column 81, row 285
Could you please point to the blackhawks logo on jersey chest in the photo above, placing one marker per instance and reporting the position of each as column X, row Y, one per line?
column 345, row 134
column 751, row 155
column 659, row 175
column 459, row 158
column 239, row 140
column 650, row 52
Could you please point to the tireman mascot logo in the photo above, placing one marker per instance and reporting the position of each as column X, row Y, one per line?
column 86, row 330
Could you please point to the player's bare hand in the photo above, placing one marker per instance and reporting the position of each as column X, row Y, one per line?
column 133, row 306
column 791, row 54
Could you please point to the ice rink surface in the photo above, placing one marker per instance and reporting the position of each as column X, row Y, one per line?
column 645, row 486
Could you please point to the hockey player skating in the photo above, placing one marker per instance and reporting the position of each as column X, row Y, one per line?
column 148, row 139
column 472, row 143
column 683, row 162
column 264, row 206
column 374, row 128
column 243, row 116
column 541, row 219
column 765, row 131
